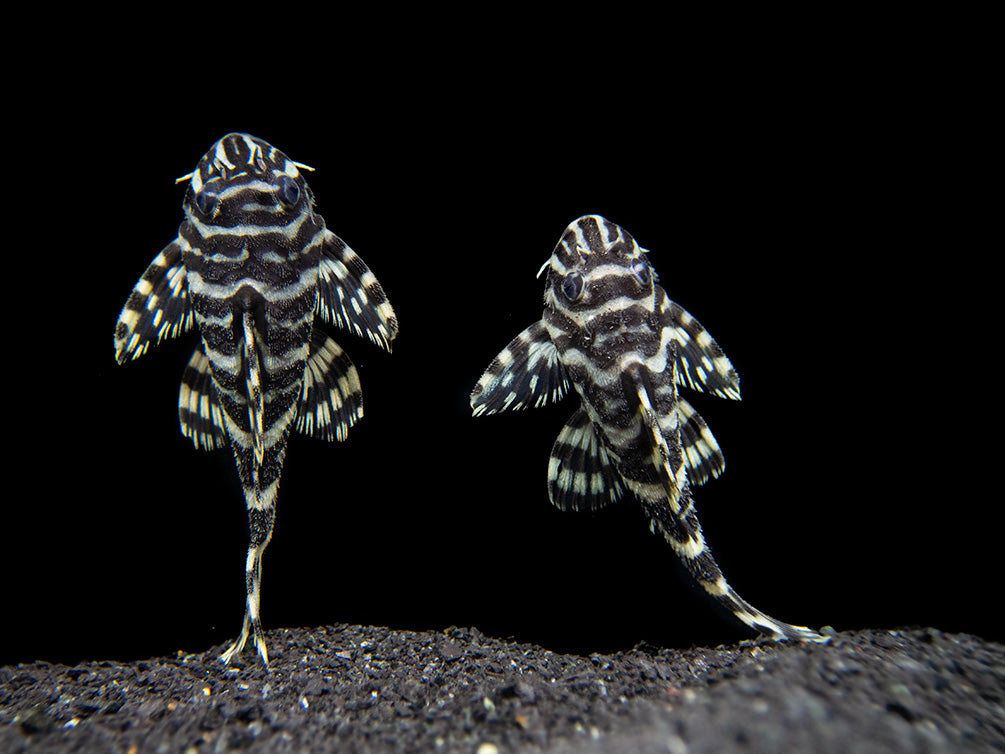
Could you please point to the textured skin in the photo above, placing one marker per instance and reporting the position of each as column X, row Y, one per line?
column 613, row 334
column 252, row 265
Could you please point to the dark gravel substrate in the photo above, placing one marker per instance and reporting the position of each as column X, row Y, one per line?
column 352, row 688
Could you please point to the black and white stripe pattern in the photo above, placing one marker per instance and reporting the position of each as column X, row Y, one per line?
column 612, row 332
column 252, row 266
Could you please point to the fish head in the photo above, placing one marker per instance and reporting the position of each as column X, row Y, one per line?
column 245, row 180
column 597, row 267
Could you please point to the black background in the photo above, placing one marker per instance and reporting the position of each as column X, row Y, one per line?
column 818, row 220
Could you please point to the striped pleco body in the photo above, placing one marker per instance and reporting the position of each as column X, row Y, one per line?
column 615, row 336
column 251, row 267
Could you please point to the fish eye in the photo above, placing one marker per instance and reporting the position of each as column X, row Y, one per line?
column 641, row 270
column 289, row 191
column 206, row 202
column 572, row 286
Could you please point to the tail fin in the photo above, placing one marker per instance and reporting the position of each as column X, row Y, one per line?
column 675, row 517
column 260, row 522
column 685, row 536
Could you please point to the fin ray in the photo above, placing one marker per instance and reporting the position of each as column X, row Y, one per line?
column 702, row 364
column 702, row 453
column 349, row 295
column 199, row 411
column 331, row 400
column 580, row 473
column 526, row 372
column 158, row 307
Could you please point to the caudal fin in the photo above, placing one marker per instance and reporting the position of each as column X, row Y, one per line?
column 685, row 536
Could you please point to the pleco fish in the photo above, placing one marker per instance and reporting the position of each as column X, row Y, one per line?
column 612, row 333
column 251, row 267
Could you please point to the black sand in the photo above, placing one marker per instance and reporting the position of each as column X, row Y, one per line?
column 351, row 688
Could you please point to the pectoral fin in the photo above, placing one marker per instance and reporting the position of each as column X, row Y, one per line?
column 158, row 307
column 349, row 295
column 526, row 372
column 701, row 363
